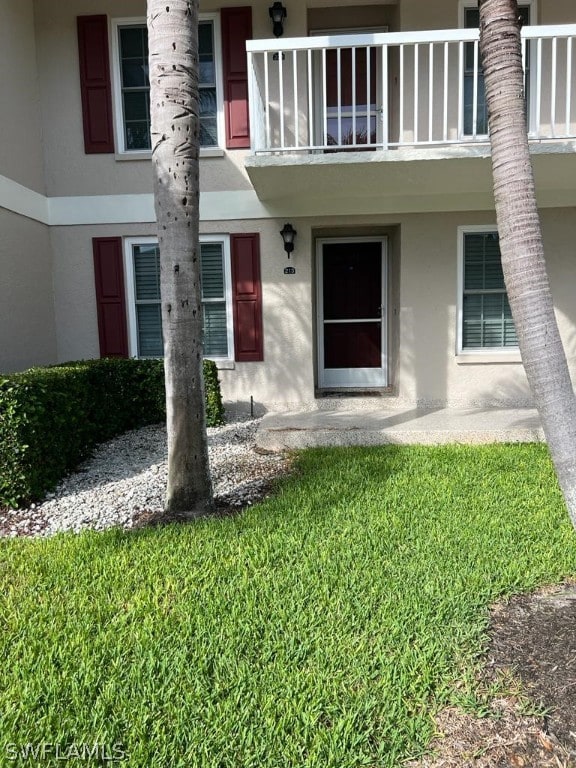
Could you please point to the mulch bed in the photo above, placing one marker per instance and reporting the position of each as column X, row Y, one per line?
column 532, row 642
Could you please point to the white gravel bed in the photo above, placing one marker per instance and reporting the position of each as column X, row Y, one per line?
column 124, row 482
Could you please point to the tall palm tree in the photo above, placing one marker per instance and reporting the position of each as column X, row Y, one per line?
column 175, row 128
column 521, row 245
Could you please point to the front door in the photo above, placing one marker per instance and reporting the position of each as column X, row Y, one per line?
column 351, row 284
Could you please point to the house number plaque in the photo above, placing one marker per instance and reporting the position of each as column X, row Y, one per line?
column 289, row 271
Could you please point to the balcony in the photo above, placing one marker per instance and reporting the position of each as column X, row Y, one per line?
column 338, row 115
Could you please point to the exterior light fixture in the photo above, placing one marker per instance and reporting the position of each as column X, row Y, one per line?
column 288, row 234
column 277, row 14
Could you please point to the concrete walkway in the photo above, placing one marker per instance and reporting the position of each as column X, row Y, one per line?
column 303, row 429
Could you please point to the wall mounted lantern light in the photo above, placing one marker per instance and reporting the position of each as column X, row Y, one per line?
column 288, row 234
column 277, row 14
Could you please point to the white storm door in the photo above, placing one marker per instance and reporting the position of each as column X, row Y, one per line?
column 352, row 312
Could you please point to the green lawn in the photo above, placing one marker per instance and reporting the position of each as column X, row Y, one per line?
column 321, row 628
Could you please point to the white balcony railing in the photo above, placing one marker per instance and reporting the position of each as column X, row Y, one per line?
column 388, row 90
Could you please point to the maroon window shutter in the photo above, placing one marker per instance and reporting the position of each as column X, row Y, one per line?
column 110, row 296
column 95, row 84
column 247, row 296
column 236, row 30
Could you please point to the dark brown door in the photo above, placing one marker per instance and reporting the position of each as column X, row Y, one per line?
column 352, row 313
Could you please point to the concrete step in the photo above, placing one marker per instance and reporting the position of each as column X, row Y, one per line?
column 378, row 426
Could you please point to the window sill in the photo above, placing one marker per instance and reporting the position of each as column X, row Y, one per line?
column 211, row 152
column 223, row 365
column 146, row 154
column 487, row 357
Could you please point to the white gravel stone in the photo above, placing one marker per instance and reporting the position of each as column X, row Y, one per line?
column 124, row 482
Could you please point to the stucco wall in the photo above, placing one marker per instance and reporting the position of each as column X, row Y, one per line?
column 430, row 371
column 69, row 171
column 425, row 369
column 27, row 327
column 286, row 376
column 20, row 147
column 424, row 366
column 353, row 17
column 444, row 14
column 557, row 12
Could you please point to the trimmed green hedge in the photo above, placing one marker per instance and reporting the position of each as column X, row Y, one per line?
column 51, row 418
column 212, row 395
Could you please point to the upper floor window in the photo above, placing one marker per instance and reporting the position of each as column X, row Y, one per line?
column 135, row 86
column 142, row 257
column 132, row 85
column 474, row 76
column 485, row 316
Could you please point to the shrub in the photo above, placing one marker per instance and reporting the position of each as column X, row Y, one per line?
column 212, row 395
column 51, row 418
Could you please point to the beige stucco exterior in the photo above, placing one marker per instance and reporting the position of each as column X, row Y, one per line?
column 26, row 295
column 27, row 324
column 69, row 171
column 21, row 156
column 422, row 312
column 416, row 200
column 287, row 375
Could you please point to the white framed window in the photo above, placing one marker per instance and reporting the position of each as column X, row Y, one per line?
column 129, row 51
column 485, row 321
column 142, row 269
column 477, row 124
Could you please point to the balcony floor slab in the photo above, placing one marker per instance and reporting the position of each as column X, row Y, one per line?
column 405, row 180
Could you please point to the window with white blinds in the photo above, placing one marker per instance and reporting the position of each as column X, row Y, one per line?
column 486, row 317
column 147, row 299
column 143, row 280
column 214, row 300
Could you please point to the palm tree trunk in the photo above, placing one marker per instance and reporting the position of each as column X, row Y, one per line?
column 174, row 108
column 521, row 245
